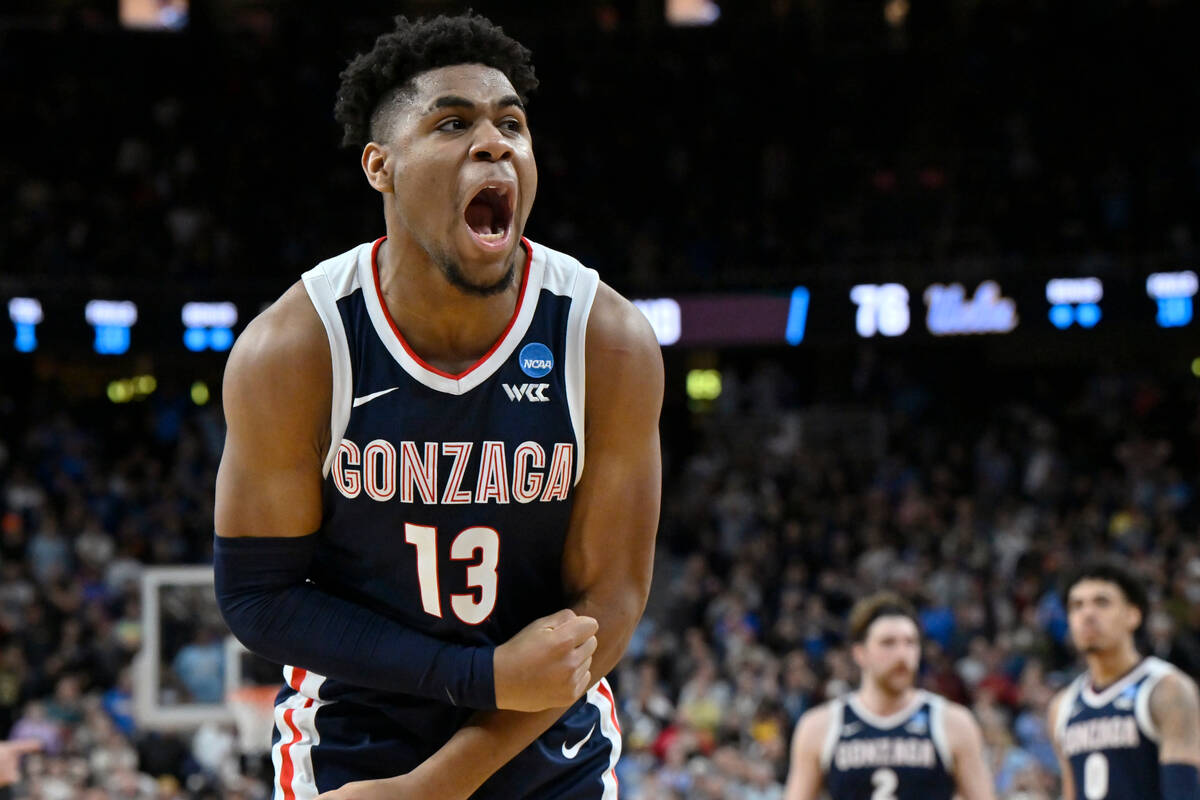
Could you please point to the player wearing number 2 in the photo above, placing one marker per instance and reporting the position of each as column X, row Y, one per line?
column 439, row 492
column 889, row 740
column 1128, row 728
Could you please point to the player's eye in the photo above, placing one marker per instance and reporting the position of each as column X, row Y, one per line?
column 511, row 124
column 453, row 124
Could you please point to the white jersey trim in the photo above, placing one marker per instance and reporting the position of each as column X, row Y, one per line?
column 837, row 718
column 327, row 283
column 1158, row 670
column 481, row 371
column 892, row 720
column 582, row 292
column 937, row 730
column 1065, row 705
column 1100, row 699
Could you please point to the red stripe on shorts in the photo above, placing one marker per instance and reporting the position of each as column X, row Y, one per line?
column 604, row 690
column 287, row 770
column 612, row 704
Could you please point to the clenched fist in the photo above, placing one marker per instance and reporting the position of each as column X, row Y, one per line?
column 547, row 664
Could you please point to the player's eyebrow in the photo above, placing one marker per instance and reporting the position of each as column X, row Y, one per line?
column 510, row 100
column 454, row 101
column 451, row 101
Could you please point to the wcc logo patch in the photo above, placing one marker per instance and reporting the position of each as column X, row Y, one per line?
column 533, row 392
column 536, row 360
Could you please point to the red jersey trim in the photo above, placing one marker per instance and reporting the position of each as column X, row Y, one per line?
column 400, row 337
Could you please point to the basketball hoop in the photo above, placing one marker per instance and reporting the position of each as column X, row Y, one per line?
column 253, row 709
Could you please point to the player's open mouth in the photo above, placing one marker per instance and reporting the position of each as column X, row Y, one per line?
column 489, row 216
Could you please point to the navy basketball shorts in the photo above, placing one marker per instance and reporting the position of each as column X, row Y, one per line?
column 319, row 745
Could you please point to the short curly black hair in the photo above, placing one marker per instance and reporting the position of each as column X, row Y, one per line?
column 1110, row 571
column 372, row 80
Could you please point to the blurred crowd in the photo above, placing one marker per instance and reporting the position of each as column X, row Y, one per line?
column 778, row 513
column 972, row 506
column 88, row 498
column 810, row 136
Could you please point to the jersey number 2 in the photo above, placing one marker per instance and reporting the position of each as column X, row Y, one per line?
column 481, row 575
column 885, row 781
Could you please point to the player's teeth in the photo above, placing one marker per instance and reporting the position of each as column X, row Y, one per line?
column 491, row 237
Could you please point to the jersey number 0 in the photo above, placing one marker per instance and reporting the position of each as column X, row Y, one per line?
column 481, row 575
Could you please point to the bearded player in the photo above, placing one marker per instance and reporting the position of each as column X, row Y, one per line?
column 440, row 486
column 1128, row 728
column 888, row 740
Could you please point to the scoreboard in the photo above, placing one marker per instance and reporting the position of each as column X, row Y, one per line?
column 808, row 316
column 889, row 310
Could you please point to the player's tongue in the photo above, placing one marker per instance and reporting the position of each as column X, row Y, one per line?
column 488, row 216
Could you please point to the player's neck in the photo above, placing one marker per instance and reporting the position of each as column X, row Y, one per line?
column 445, row 326
column 883, row 703
column 1107, row 667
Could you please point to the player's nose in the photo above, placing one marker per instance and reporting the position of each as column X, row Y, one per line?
column 490, row 144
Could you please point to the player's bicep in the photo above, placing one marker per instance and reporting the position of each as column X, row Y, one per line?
column 610, row 545
column 269, row 479
column 972, row 775
column 805, row 774
column 1067, row 778
column 615, row 515
column 1175, row 708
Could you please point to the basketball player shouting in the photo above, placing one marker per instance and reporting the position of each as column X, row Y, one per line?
column 440, row 487
column 889, row 740
column 1129, row 727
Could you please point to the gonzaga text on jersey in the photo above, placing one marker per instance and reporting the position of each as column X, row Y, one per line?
column 436, row 473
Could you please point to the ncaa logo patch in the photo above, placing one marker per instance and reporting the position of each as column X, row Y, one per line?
column 536, row 360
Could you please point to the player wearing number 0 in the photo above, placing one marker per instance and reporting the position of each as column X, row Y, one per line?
column 888, row 740
column 1128, row 728
column 439, row 492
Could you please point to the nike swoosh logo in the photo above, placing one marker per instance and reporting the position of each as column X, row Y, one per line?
column 571, row 752
column 366, row 398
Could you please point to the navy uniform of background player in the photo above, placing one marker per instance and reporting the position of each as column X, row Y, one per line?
column 439, row 492
column 888, row 740
column 1128, row 727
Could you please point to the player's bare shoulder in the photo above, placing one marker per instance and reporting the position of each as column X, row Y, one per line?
column 963, row 732
column 964, row 738
column 1174, row 691
column 805, row 768
column 622, row 350
column 1053, row 711
column 813, row 727
column 279, row 373
column 959, row 719
column 1175, row 709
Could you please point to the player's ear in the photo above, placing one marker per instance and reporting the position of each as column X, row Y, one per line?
column 377, row 167
column 1136, row 616
column 856, row 652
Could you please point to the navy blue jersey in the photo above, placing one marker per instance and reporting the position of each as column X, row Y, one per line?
column 1108, row 736
column 905, row 756
column 446, row 506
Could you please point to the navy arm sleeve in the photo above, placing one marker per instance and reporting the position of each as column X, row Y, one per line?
column 1180, row 781
column 264, row 596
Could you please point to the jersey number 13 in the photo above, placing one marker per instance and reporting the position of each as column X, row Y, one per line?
column 478, row 544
